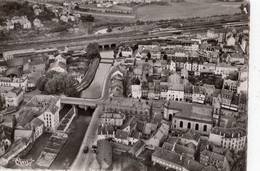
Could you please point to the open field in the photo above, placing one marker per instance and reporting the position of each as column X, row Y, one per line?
column 187, row 9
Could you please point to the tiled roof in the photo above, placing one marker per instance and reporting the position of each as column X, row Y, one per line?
column 131, row 122
column 106, row 129
column 178, row 159
column 229, row 132
column 191, row 135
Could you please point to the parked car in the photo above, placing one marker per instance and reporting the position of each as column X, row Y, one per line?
column 85, row 150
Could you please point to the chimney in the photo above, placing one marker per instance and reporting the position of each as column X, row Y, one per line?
column 180, row 157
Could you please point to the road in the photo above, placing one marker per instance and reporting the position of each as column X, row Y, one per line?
column 83, row 160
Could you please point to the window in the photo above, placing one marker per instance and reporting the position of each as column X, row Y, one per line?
column 205, row 128
column 189, row 125
column 197, row 127
column 181, row 124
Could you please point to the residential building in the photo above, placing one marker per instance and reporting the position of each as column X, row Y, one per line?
column 226, row 98
column 198, row 95
column 127, row 52
column 47, row 108
column 170, row 159
column 230, row 85
column 3, row 67
column 188, row 91
column 136, row 91
column 160, row 136
column 58, row 66
column 230, row 40
column 105, row 131
column 14, row 97
column 20, row 82
column 115, row 119
column 218, row 157
column 229, row 138
column 225, row 69
column 189, row 116
column 175, row 92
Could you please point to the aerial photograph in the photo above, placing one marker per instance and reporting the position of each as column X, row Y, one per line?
column 124, row 85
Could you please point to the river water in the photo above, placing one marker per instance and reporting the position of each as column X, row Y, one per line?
column 94, row 91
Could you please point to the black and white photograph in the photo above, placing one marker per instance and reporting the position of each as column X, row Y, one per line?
column 128, row 85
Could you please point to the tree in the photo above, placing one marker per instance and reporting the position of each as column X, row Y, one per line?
column 51, row 74
column 88, row 18
column 40, row 84
column 51, row 87
column 93, row 51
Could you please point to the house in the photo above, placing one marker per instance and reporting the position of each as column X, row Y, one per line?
column 130, row 125
column 174, row 79
column 115, row 119
column 229, row 138
column 160, row 136
column 209, row 90
column 17, row 148
column 138, row 147
column 230, row 85
column 171, row 65
column 127, row 52
column 47, row 109
column 226, row 98
column 175, row 92
column 14, row 97
column 3, row 67
column 149, row 129
column 58, row 67
column 217, row 157
column 136, row 91
column 131, row 107
column 105, row 131
column 37, row 23
column 173, row 160
column 163, row 90
column 198, row 95
column 230, row 40
column 225, row 69
column 145, row 90
column 190, row 136
column 188, row 91
column 184, row 73
column 189, row 116
column 17, row 82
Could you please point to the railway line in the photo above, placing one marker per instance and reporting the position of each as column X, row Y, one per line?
column 118, row 37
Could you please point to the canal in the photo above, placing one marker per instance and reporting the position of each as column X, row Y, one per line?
column 94, row 91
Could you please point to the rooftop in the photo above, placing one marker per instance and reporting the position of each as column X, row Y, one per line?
column 190, row 111
column 229, row 132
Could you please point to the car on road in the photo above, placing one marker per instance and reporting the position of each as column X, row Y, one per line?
column 85, row 150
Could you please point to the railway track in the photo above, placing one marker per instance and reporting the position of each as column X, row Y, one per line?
column 132, row 35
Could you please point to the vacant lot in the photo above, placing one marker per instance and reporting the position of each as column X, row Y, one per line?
column 187, row 9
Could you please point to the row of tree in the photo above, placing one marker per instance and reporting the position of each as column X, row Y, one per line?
column 58, row 83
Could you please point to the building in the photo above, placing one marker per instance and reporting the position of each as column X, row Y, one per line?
column 230, row 138
column 20, row 82
column 58, row 66
column 218, row 157
column 189, row 116
column 14, row 97
column 226, row 98
column 105, row 131
column 115, row 119
column 188, row 91
column 225, row 69
column 127, row 52
column 198, row 95
column 3, row 67
column 230, row 85
column 136, row 91
column 175, row 92
column 170, row 159
column 18, row 54
column 47, row 109
column 130, row 107
column 160, row 136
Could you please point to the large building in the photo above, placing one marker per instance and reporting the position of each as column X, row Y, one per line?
column 14, row 82
column 131, row 107
column 189, row 116
column 229, row 138
column 47, row 109
column 115, row 119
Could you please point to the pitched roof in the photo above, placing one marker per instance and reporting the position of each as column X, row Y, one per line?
column 106, row 129
column 104, row 154
column 191, row 135
column 131, row 122
column 178, row 159
column 229, row 132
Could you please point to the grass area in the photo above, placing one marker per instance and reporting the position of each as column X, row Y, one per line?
column 187, row 9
